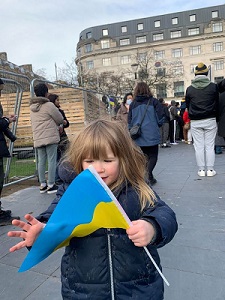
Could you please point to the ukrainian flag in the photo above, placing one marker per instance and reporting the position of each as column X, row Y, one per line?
column 87, row 205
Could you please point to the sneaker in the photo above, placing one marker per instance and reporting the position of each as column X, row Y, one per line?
column 201, row 173
column 6, row 219
column 52, row 190
column 189, row 143
column 174, row 143
column 43, row 189
column 211, row 173
column 7, row 212
column 153, row 181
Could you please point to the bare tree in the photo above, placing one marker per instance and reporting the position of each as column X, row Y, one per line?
column 158, row 73
column 68, row 73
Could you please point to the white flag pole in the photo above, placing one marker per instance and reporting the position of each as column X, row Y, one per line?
column 157, row 268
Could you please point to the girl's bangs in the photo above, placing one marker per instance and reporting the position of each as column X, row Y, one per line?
column 97, row 147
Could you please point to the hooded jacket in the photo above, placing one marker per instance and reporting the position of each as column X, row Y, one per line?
column 202, row 99
column 45, row 119
column 106, row 265
column 150, row 133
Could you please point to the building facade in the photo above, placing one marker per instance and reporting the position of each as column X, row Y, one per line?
column 167, row 44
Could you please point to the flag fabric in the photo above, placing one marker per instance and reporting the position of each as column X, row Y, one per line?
column 87, row 205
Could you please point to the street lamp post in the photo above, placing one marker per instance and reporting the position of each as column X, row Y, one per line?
column 134, row 69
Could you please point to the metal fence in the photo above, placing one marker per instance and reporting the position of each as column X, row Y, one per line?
column 80, row 106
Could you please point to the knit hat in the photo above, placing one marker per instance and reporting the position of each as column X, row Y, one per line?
column 201, row 69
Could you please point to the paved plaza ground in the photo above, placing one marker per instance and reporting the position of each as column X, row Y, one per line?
column 193, row 263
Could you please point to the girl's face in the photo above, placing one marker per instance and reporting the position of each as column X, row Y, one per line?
column 107, row 168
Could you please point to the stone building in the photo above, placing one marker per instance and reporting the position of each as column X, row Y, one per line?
column 173, row 43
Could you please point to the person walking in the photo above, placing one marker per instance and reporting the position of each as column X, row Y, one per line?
column 202, row 101
column 110, row 263
column 45, row 120
column 64, row 141
column 173, row 122
column 122, row 114
column 150, row 134
column 164, row 129
column 5, row 215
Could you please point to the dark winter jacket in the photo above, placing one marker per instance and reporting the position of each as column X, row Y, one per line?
column 221, row 124
column 4, row 123
column 105, row 264
column 150, row 134
column 63, row 143
column 202, row 99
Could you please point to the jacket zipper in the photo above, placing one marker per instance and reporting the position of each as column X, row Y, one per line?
column 110, row 265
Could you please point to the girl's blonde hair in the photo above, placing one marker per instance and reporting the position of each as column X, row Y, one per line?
column 94, row 141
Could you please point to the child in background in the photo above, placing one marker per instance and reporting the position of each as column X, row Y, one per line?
column 187, row 128
column 110, row 263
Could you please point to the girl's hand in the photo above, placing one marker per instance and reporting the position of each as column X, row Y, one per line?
column 29, row 234
column 141, row 233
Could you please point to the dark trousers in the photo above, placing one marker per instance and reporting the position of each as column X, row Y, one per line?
column 152, row 155
column 1, row 175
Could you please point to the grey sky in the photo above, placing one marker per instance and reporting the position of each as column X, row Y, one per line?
column 45, row 32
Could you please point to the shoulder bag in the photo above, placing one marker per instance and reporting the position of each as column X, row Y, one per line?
column 135, row 131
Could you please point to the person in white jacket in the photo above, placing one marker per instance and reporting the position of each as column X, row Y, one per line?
column 45, row 121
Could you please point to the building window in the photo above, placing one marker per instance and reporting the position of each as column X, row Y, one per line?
column 105, row 32
column 215, row 14
column 88, row 35
column 218, row 79
column 194, row 50
column 140, row 26
column 106, row 62
column 105, row 44
column 217, row 27
column 157, row 36
column 125, row 59
column 178, row 70
column 141, row 39
column 141, row 57
column 218, row 47
column 88, row 48
column 192, row 68
column 179, row 89
column 193, row 31
column 174, row 21
column 124, row 42
column 161, row 90
column 218, row 65
column 123, row 29
column 161, row 72
column 157, row 23
column 159, row 54
column 175, row 34
column 178, row 52
column 90, row 65
column 192, row 18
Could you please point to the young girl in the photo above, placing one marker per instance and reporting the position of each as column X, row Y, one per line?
column 110, row 263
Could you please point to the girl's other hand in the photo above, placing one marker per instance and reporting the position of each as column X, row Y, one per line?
column 29, row 234
column 141, row 233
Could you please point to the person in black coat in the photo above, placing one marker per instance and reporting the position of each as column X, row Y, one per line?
column 64, row 141
column 5, row 215
column 221, row 125
column 110, row 263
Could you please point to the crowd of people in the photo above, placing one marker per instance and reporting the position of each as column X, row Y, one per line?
column 126, row 166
